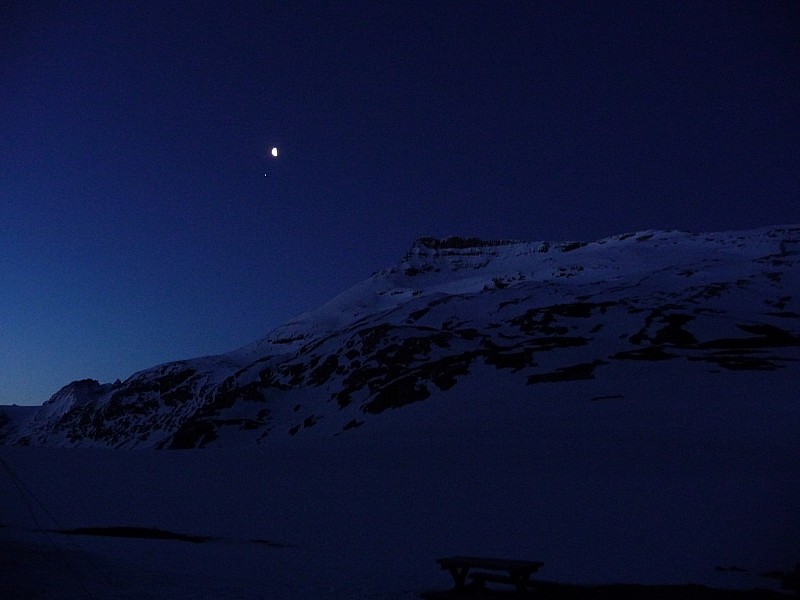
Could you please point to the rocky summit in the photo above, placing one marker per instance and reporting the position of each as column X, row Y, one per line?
column 464, row 332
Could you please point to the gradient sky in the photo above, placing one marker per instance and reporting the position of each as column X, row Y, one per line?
column 138, row 226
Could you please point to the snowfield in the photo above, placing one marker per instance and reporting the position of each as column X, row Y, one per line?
column 624, row 411
column 656, row 499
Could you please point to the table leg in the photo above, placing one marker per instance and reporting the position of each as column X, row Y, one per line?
column 521, row 580
column 459, row 576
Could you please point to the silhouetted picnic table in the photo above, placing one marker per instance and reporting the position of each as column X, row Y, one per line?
column 498, row 570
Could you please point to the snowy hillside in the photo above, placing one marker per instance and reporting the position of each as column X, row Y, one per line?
column 624, row 410
column 462, row 327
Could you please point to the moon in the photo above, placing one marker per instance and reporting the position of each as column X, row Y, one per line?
column 274, row 152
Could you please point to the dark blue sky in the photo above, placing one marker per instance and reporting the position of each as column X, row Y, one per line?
column 138, row 226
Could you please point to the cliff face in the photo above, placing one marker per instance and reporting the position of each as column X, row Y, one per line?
column 458, row 321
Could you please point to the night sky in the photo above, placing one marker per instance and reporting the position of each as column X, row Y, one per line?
column 143, row 219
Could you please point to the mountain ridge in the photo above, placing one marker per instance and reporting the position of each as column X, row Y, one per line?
column 450, row 314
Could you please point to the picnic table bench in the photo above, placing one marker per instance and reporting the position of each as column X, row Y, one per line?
column 497, row 570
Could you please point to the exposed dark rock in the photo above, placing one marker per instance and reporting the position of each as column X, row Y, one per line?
column 646, row 353
column 673, row 332
column 289, row 340
column 514, row 360
column 418, row 314
column 395, row 394
column 372, row 336
column 443, row 372
column 296, row 373
column 670, row 315
column 573, row 246
column 571, row 373
column 322, row 373
column 459, row 243
column 538, row 321
column 769, row 336
column 193, row 434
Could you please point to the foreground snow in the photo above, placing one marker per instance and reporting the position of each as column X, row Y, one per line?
column 359, row 517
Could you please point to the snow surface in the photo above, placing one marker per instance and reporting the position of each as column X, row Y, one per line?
column 714, row 282
column 453, row 271
column 653, row 472
column 658, row 498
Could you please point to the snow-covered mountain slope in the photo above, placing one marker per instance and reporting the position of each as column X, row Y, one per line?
column 463, row 333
